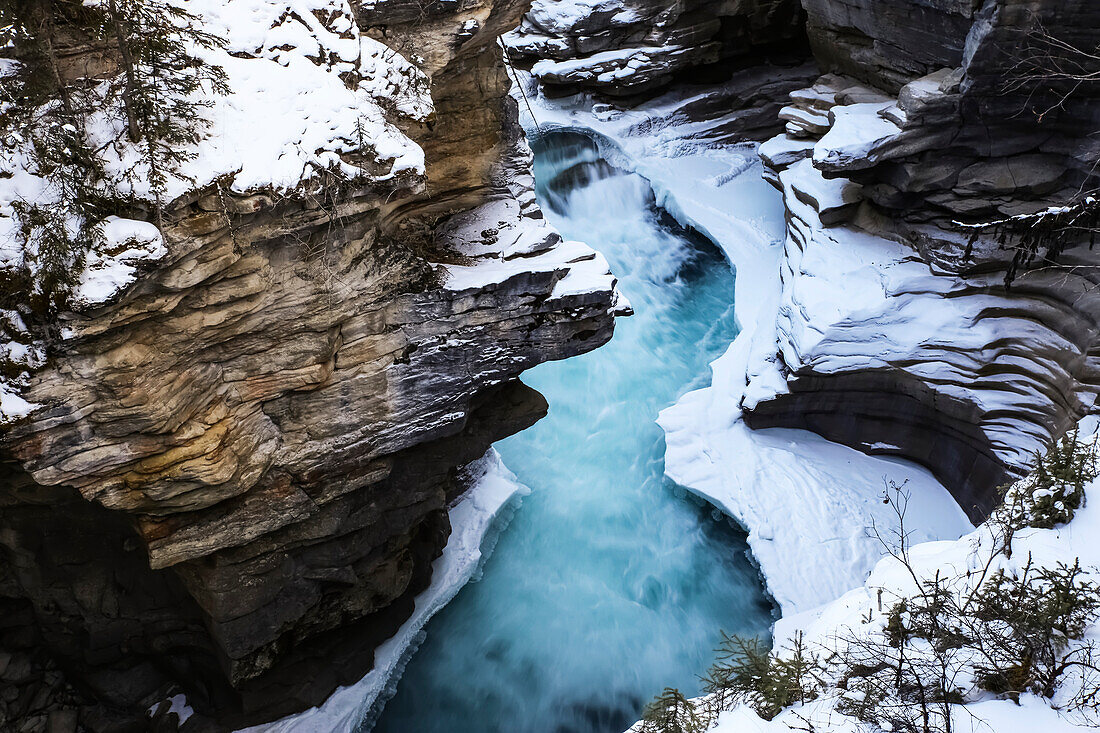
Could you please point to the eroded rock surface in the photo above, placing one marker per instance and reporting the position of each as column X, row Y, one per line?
column 897, row 334
column 634, row 47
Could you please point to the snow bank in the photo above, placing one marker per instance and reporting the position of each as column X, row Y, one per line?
column 860, row 612
column 476, row 519
column 991, row 716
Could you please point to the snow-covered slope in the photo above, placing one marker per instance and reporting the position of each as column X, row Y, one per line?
column 861, row 613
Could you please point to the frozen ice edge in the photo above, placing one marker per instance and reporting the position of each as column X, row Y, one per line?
column 477, row 519
column 806, row 503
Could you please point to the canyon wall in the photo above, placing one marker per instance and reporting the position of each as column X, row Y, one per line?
column 238, row 471
column 897, row 333
column 638, row 46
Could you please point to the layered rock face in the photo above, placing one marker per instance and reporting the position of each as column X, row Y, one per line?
column 629, row 48
column 238, row 475
column 897, row 333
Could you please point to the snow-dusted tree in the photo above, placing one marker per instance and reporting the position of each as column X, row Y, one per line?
column 161, row 83
column 42, row 122
column 672, row 712
column 159, row 46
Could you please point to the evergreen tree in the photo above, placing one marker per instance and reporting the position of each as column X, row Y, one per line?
column 43, row 121
column 157, row 44
column 671, row 712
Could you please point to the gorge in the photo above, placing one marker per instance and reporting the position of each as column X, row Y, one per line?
column 607, row 579
column 253, row 445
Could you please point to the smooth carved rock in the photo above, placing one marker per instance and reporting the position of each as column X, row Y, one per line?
column 897, row 334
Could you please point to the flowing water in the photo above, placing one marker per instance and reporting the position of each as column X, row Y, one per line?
column 610, row 583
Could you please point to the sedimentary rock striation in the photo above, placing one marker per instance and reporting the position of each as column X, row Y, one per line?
column 927, row 354
column 237, row 473
column 230, row 475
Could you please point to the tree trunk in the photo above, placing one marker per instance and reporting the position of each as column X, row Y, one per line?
column 47, row 33
column 131, row 75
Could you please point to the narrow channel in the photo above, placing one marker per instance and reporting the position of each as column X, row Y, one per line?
column 610, row 582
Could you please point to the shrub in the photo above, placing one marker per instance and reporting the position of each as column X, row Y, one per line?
column 671, row 712
column 746, row 671
column 1056, row 489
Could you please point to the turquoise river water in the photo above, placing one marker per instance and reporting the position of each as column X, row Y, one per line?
column 610, row 583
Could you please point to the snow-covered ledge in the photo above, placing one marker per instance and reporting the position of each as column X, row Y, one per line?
column 806, row 502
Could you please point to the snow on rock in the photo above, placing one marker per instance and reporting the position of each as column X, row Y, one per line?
column 579, row 269
column 476, row 519
column 861, row 612
column 507, row 238
column 625, row 69
column 308, row 95
column 885, row 340
column 290, row 113
column 856, row 131
column 113, row 265
column 12, row 406
column 990, row 716
column 20, row 355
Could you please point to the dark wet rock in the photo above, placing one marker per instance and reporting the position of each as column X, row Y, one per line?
column 629, row 48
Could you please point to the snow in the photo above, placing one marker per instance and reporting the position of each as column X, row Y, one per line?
column 288, row 116
column 486, row 271
column 502, row 243
column 12, row 406
column 113, row 266
column 560, row 17
column 476, row 519
column 856, row 131
column 607, row 66
column 176, row 704
column 989, row 716
column 806, row 502
column 860, row 612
